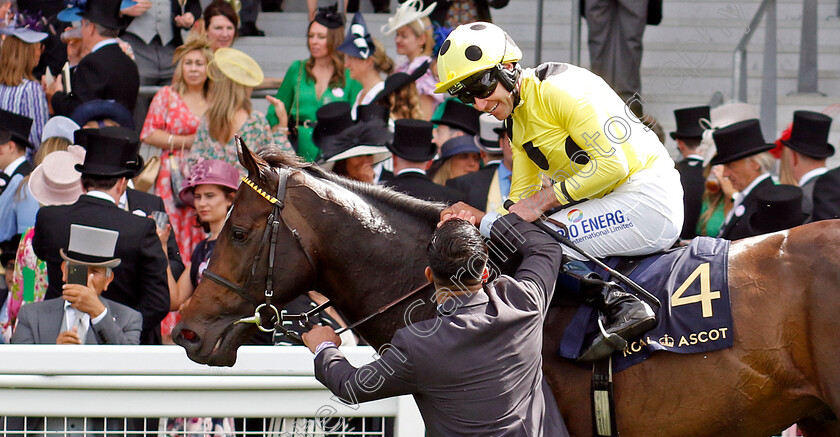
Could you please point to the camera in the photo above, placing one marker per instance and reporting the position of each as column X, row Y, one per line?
column 77, row 274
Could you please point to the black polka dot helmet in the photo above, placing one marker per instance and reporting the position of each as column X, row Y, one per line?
column 471, row 48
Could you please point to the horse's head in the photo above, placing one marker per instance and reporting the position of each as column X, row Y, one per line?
column 262, row 226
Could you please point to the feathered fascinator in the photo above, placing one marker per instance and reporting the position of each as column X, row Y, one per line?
column 329, row 17
column 409, row 11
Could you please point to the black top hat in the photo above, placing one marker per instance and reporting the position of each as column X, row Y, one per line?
column 332, row 119
column 688, row 122
column 739, row 140
column 16, row 127
column 373, row 112
column 105, row 154
column 779, row 207
column 131, row 152
column 103, row 12
column 398, row 80
column 413, row 140
column 460, row 116
column 809, row 135
column 91, row 246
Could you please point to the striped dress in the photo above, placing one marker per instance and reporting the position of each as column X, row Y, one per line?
column 27, row 99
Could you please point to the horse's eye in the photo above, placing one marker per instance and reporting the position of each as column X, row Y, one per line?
column 239, row 235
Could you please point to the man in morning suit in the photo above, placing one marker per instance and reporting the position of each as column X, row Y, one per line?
column 140, row 280
column 742, row 152
column 488, row 188
column 14, row 140
column 475, row 369
column 688, row 136
column 805, row 153
column 413, row 151
column 105, row 73
column 82, row 315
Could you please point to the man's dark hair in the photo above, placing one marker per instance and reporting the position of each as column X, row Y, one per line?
column 457, row 254
column 691, row 143
column 90, row 182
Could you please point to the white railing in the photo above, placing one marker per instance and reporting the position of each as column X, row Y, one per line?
column 160, row 381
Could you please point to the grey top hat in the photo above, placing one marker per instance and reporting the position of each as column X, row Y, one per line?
column 91, row 246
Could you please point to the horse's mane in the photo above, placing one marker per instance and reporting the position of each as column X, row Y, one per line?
column 377, row 194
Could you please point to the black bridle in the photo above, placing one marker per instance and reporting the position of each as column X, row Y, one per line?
column 275, row 218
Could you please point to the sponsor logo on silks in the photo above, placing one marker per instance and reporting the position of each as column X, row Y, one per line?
column 581, row 228
column 575, row 215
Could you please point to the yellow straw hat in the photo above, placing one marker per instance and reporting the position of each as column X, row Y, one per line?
column 238, row 67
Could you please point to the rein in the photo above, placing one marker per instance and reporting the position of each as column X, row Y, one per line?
column 275, row 218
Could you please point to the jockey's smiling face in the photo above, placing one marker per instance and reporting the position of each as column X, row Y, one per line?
column 500, row 103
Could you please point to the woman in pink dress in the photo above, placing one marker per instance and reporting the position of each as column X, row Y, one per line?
column 170, row 125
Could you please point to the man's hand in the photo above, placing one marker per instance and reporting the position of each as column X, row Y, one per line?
column 68, row 337
column 83, row 298
column 319, row 334
column 138, row 9
column 533, row 206
column 185, row 21
column 462, row 211
column 55, row 87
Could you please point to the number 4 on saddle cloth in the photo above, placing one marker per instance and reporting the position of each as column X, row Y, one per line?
column 693, row 285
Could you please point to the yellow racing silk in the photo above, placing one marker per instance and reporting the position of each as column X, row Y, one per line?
column 571, row 127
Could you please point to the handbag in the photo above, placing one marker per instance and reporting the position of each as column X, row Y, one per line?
column 147, row 177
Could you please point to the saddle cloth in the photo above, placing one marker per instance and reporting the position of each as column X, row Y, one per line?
column 693, row 285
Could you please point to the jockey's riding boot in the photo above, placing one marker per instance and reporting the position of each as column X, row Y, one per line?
column 625, row 317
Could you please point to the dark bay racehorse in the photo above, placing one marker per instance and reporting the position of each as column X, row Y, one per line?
column 364, row 246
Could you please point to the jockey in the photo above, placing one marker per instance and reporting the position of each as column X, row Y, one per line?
column 579, row 154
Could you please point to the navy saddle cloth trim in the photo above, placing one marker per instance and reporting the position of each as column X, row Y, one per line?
column 696, row 316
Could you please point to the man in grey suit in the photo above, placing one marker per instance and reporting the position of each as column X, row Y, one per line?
column 475, row 369
column 82, row 315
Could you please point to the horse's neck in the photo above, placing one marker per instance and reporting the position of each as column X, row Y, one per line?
column 363, row 266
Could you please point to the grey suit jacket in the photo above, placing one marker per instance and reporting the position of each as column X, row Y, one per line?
column 478, row 370
column 40, row 323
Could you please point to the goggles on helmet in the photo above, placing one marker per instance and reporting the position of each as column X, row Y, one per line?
column 479, row 85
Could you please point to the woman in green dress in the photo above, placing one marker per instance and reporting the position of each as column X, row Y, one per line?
column 314, row 82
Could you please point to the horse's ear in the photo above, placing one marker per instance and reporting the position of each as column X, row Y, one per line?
column 247, row 158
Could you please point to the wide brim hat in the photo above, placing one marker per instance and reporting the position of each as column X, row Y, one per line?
column 61, row 127
column 56, row 181
column 365, row 138
column 17, row 126
column 738, row 141
column 103, row 12
column 237, row 66
column 398, row 80
column 358, row 43
column 209, row 172
column 412, row 10
column 98, row 110
column 25, row 34
column 459, row 116
column 105, row 154
column 413, row 140
column 809, row 134
column 458, row 145
column 332, row 119
column 491, row 129
column 688, row 122
column 91, row 246
column 779, row 208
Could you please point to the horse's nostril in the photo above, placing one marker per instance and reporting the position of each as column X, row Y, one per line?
column 188, row 335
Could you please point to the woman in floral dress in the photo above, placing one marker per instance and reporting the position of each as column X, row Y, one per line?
column 170, row 125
